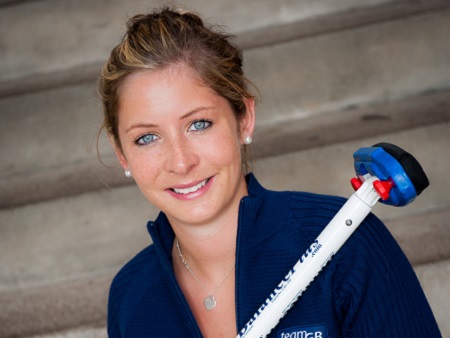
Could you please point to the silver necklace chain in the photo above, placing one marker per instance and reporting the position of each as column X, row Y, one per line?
column 209, row 302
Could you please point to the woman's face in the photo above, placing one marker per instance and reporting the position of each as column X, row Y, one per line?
column 182, row 143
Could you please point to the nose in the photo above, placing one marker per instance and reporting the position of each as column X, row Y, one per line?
column 180, row 156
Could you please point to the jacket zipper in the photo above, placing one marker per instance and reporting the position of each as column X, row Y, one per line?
column 169, row 269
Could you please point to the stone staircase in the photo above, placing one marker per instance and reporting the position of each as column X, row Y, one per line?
column 334, row 76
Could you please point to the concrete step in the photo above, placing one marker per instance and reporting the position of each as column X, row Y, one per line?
column 434, row 280
column 73, row 237
column 378, row 79
column 424, row 238
column 85, row 332
column 345, row 70
column 5, row 3
column 55, row 307
column 265, row 22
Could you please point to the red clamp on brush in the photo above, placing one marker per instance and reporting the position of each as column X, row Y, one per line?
column 383, row 188
column 356, row 183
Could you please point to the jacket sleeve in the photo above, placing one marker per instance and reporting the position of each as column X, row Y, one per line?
column 113, row 310
column 378, row 292
column 126, row 289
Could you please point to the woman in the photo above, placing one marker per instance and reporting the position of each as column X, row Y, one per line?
column 179, row 115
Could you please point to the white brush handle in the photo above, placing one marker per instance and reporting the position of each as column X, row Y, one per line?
column 344, row 223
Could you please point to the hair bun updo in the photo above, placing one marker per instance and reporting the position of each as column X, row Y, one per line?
column 166, row 37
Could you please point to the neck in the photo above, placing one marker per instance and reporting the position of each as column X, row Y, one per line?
column 208, row 251
column 204, row 251
column 210, row 247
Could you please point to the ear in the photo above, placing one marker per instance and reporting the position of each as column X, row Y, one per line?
column 119, row 153
column 247, row 123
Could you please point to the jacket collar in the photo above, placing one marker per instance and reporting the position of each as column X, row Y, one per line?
column 261, row 214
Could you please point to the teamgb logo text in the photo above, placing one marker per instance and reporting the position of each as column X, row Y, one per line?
column 314, row 331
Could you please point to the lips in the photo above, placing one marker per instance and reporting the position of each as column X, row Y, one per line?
column 185, row 191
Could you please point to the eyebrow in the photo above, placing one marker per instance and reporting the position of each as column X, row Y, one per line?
column 196, row 110
column 151, row 125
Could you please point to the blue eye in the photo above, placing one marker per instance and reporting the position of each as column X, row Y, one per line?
column 146, row 139
column 200, row 125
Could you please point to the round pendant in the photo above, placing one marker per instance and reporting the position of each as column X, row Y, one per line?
column 210, row 302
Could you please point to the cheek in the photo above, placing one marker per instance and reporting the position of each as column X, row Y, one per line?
column 225, row 150
column 145, row 168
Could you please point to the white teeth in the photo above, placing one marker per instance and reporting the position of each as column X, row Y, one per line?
column 192, row 189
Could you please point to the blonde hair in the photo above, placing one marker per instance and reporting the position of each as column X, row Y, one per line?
column 165, row 37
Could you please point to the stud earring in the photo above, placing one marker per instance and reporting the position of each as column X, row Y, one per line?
column 248, row 140
column 128, row 173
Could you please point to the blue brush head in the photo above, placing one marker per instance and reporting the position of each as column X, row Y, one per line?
column 390, row 162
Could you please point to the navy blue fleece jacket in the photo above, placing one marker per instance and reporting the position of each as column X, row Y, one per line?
column 368, row 289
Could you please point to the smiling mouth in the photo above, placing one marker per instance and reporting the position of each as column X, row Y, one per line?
column 191, row 189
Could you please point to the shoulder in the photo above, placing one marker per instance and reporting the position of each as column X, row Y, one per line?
column 312, row 205
column 305, row 214
column 298, row 204
column 309, row 212
column 371, row 244
column 375, row 286
column 129, row 281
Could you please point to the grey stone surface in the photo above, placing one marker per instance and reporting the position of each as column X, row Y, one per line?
column 351, row 123
column 95, row 26
column 39, row 132
column 78, row 333
column 359, row 67
column 312, row 19
column 61, row 181
column 56, row 307
column 362, row 14
column 93, row 233
column 434, row 279
column 424, row 238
